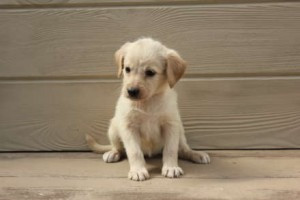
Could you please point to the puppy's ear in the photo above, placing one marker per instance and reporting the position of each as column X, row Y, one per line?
column 175, row 67
column 119, row 57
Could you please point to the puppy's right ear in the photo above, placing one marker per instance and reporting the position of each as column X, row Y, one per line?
column 119, row 57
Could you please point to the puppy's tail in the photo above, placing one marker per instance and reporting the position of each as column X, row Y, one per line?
column 96, row 147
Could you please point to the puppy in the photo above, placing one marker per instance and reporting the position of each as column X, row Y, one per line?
column 147, row 120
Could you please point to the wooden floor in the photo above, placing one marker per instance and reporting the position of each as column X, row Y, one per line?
column 262, row 175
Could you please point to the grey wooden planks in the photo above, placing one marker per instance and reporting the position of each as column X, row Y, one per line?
column 216, row 40
column 57, row 74
column 270, row 175
column 218, row 113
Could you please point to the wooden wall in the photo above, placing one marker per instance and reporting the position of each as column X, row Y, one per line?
column 57, row 75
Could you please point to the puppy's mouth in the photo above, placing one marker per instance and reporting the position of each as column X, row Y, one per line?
column 135, row 98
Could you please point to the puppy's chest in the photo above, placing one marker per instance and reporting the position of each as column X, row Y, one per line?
column 149, row 128
column 151, row 136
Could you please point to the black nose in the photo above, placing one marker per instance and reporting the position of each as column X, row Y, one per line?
column 133, row 92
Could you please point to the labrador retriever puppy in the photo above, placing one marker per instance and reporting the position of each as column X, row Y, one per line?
column 147, row 120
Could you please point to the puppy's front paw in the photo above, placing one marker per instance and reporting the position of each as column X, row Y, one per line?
column 111, row 156
column 138, row 174
column 200, row 157
column 172, row 172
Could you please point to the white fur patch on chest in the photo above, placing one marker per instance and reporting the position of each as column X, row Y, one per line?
column 150, row 133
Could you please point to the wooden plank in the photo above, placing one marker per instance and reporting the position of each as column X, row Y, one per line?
column 55, row 115
column 234, row 164
column 217, row 113
column 241, row 113
column 85, row 176
column 156, row 189
column 216, row 40
column 73, row 3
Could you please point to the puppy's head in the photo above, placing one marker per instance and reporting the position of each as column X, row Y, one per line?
column 148, row 68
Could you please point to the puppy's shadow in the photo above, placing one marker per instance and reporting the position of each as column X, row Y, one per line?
column 154, row 164
column 220, row 167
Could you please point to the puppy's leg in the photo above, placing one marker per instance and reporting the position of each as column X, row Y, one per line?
column 115, row 154
column 132, row 142
column 170, row 153
column 186, row 153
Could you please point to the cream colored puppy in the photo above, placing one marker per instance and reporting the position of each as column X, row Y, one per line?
column 147, row 120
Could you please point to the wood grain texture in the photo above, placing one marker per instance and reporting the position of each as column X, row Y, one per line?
column 82, row 3
column 50, row 188
column 273, row 175
column 217, row 113
column 235, row 165
column 216, row 40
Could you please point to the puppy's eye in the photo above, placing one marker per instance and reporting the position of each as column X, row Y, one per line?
column 127, row 69
column 150, row 73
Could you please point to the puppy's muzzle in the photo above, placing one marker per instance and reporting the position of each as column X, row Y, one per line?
column 133, row 93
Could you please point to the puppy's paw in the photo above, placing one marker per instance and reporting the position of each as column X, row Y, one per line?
column 200, row 157
column 111, row 156
column 172, row 172
column 138, row 174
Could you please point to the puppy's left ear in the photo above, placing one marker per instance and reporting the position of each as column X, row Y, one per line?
column 175, row 67
column 119, row 57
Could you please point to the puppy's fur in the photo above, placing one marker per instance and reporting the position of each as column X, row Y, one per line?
column 147, row 120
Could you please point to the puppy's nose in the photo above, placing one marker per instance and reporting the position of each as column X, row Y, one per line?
column 133, row 92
